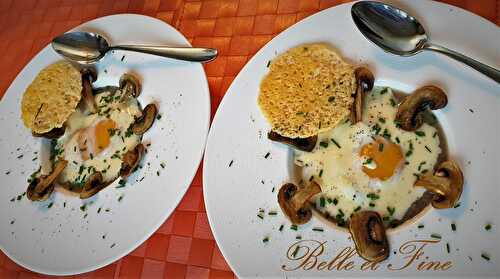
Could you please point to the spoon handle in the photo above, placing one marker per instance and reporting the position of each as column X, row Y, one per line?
column 491, row 72
column 180, row 53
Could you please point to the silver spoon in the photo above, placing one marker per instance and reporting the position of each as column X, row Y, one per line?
column 397, row 32
column 87, row 48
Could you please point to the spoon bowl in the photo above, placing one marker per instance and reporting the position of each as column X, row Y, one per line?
column 81, row 47
column 397, row 32
column 88, row 48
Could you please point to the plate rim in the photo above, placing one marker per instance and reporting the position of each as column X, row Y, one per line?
column 201, row 152
column 211, row 218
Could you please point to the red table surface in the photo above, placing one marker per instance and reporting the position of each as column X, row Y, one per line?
column 184, row 246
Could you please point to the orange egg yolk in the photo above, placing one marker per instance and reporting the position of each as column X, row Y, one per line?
column 386, row 155
column 93, row 142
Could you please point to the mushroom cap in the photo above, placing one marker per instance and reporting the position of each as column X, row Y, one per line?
column 409, row 110
column 52, row 134
column 446, row 183
column 143, row 123
column 293, row 201
column 368, row 232
column 93, row 185
column 304, row 144
column 364, row 83
column 41, row 187
column 131, row 84
column 131, row 160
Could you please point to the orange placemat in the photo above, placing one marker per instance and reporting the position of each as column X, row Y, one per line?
column 184, row 246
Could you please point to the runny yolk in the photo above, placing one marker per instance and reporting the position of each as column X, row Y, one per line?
column 102, row 134
column 386, row 155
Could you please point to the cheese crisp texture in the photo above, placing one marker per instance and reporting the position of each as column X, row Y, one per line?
column 52, row 97
column 308, row 90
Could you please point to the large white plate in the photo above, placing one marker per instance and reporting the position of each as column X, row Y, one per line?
column 234, row 194
column 60, row 240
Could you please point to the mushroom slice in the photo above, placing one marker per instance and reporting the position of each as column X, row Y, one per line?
column 131, row 160
column 52, row 134
column 364, row 83
column 368, row 232
column 130, row 85
column 89, row 75
column 143, row 123
column 93, row 185
column 293, row 201
column 41, row 187
column 409, row 111
column 304, row 144
column 446, row 183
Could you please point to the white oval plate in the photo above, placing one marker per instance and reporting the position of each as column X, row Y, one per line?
column 235, row 191
column 58, row 240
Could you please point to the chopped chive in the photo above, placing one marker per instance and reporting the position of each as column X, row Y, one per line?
column 335, row 142
column 272, row 190
column 382, row 120
column 318, row 229
column 391, row 210
column 320, row 173
column 162, row 165
column 322, row 202
column 13, row 199
column 335, row 201
column 323, row 144
column 298, row 237
column 99, row 210
column 393, row 103
column 457, row 205
column 121, row 183
column 434, row 135
column 281, row 228
column 341, row 213
column 50, row 205
column 273, row 213
column 268, row 63
column 420, row 133
column 83, row 207
column 368, row 161
column 266, row 239
column 397, row 123
column 371, row 204
column 331, row 98
column 267, row 155
column 157, row 173
column 231, row 163
column 357, row 209
column 397, row 140
column 380, row 147
column 64, row 204
column 485, row 256
column 261, row 216
column 487, row 227
column 372, row 196
column 421, row 226
column 453, row 227
column 311, row 178
column 120, row 198
column 20, row 156
column 112, row 245
column 435, row 235
column 293, row 227
column 408, row 153
column 448, row 247
column 158, row 117
column 428, row 149
column 384, row 91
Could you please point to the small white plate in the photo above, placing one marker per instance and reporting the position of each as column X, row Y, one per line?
column 238, row 179
column 60, row 240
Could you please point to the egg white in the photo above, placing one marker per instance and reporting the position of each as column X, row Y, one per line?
column 345, row 187
column 111, row 105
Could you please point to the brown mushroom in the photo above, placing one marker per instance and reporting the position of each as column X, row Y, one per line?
column 130, row 85
column 304, row 144
column 364, row 83
column 368, row 232
column 409, row 112
column 93, row 185
column 143, row 123
column 89, row 75
column 52, row 134
column 293, row 201
column 131, row 160
column 41, row 187
column 446, row 183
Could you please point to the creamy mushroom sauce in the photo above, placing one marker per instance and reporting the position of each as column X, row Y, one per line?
column 81, row 144
column 337, row 166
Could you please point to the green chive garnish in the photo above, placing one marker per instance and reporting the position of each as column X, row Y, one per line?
column 435, row 235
